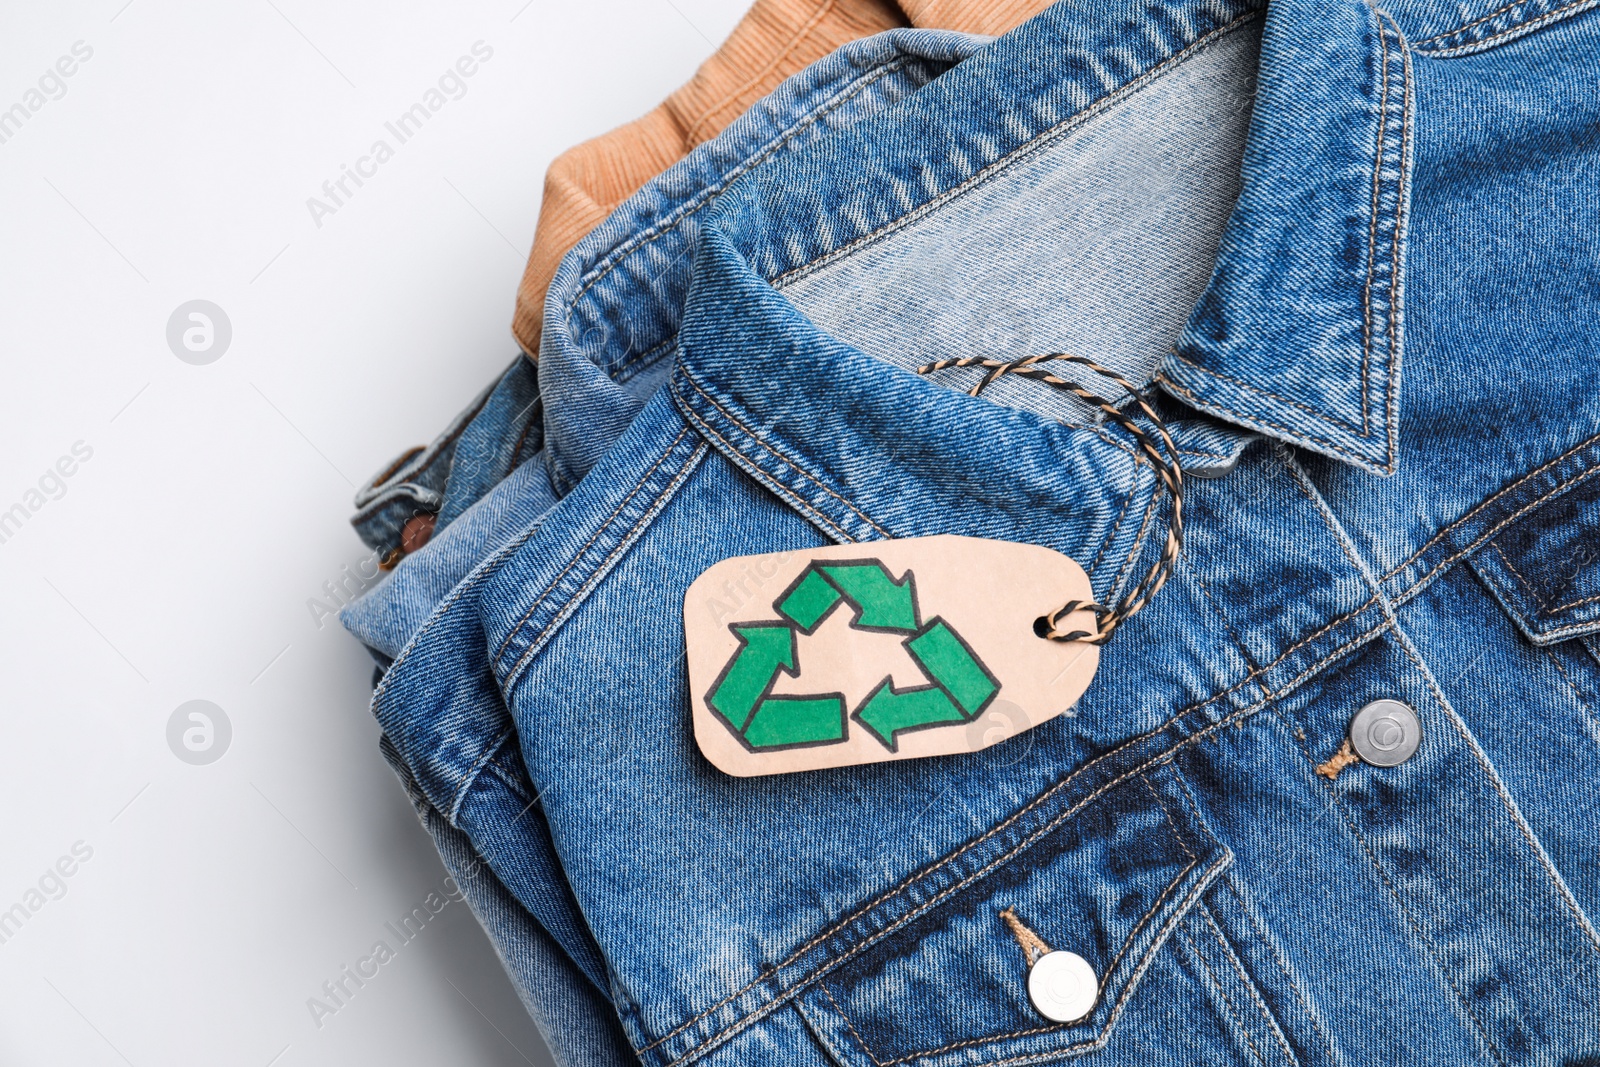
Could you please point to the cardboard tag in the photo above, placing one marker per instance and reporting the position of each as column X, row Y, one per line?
column 891, row 650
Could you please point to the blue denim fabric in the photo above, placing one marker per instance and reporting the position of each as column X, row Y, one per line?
column 490, row 821
column 1417, row 180
column 555, row 992
column 501, row 429
column 613, row 307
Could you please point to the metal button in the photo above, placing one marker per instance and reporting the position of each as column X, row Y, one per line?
column 1385, row 733
column 1063, row 987
column 417, row 531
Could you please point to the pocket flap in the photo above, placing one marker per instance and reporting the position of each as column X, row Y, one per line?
column 1545, row 567
column 1107, row 879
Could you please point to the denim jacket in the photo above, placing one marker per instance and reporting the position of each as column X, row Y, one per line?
column 1333, row 186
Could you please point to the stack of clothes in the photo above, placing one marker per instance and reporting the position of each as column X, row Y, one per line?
column 1329, row 796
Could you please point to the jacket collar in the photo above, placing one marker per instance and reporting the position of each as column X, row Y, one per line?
column 1298, row 335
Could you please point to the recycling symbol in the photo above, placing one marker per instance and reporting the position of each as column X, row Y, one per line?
column 958, row 685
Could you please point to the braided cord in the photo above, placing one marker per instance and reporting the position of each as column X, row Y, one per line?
column 1166, row 466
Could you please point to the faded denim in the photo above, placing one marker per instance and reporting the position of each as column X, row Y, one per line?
column 519, row 892
column 1418, row 181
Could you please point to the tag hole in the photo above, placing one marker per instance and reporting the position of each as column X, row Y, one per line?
column 1041, row 626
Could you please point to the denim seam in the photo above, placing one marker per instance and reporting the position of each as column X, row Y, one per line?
column 467, row 585
column 388, row 496
column 816, row 515
column 1510, row 804
column 1478, row 21
column 394, row 468
column 1577, row 694
column 1200, row 453
column 1216, row 984
column 1392, row 352
column 1257, row 676
column 710, row 192
column 1116, row 527
column 636, row 364
column 1436, row 538
column 1341, row 536
column 777, row 454
column 925, row 906
column 1164, row 756
column 1492, row 532
column 1402, row 198
column 577, row 557
column 522, row 438
column 1037, row 143
column 476, row 769
column 829, row 1041
column 1519, row 29
column 1105, row 1030
column 1229, row 882
column 849, row 1024
column 1544, row 608
column 1410, row 920
column 498, row 773
column 779, row 53
column 600, row 570
column 1567, row 632
column 1253, row 669
column 1255, row 422
column 1382, row 192
column 399, row 466
column 1372, row 224
column 1249, row 985
column 1138, row 543
column 788, row 495
column 1042, row 798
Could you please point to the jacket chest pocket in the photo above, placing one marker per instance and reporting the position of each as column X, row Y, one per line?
column 1111, row 878
column 1544, row 570
column 1545, row 567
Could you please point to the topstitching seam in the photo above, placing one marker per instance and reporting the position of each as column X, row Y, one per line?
column 1227, row 1001
column 794, row 499
column 1506, row 800
column 701, row 200
column 1476, row 542
column 1543, row 607
column 779, row 53
column 1165, row 756
column 1033, row 145
column 1426, row 44
column 577, row 557
column 597, row 573
column 780, row 456
column 1249, row 985
column 1436, row 538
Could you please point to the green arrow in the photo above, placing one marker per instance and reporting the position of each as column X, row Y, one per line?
column 887, row 712
column 948, row 661
column 807, row 601
column 881, row 603
column 764, row 650
column 781, row 722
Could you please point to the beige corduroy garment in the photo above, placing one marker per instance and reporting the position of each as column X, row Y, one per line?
column 775, row 40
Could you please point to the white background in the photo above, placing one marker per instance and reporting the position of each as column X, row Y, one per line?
column 179, row 561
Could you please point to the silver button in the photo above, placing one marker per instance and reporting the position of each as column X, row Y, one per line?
column 1385, row 733
column 1063, row 987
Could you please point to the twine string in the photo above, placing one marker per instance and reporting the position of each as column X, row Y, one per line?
column 1164, row 460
